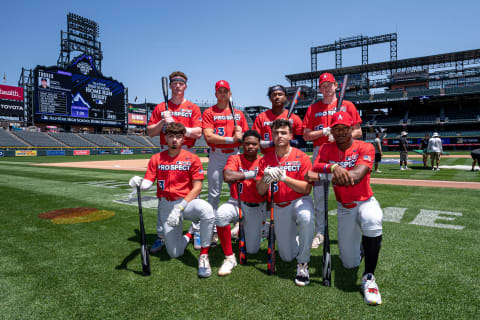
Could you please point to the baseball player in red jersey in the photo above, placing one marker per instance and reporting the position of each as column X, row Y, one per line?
column 179, row 176
column 278, row 96
column 223, row 138
column 241, row 168
column 359, row 214
column 179, row 110
column 286, row 167
column 316, row 128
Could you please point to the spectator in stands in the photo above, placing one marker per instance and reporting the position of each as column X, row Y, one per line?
column 378, row 151
column 403, row 145
column 423, row 147
column 476, row 158
column 435, row 149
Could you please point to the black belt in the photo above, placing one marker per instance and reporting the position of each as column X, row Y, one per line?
column 251, row 205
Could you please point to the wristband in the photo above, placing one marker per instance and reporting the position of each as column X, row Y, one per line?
column 229, row 140
column 188, row 132
column 250, row 174
column 183, row 204
column 333, row 167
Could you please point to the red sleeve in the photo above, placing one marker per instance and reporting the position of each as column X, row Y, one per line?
column 196, row 120
column 261, row 169
column 322, row 160
column 243, row 122
column 196, row 170
column 207, row 119
column 354, row 113
column 257, row 125
column 156, row 114
column 151, row 173
column 366, row 155
column 232, row 163
column 307, row 120
column 297, row 125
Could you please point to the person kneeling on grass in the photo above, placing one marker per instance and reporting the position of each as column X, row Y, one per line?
column 359, row 214
column 179, row 176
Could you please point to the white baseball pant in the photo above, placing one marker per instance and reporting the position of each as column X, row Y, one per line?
column 253, row 218
column 216, row 164
column 298, row 215
column 197, row 210
column 366, row 218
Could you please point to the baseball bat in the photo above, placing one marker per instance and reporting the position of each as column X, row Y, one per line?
column 230, row 104
column 241, row 231
column 327, row 259
column 294, row 102
column 342, row 92
column 143, row 238
column 271, row 238
column 165, row 91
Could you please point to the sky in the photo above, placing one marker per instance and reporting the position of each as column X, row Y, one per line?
column 251, row 44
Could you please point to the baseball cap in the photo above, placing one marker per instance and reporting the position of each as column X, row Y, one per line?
column 326, row 77
column 403, row 133
column 222, row 84
column 435, row 134
column 341, row 117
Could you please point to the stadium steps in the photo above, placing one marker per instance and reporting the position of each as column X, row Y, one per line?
column 10, row 140
column 71, row 139
column 38, row 139
column 88, row 141
column 57, row 140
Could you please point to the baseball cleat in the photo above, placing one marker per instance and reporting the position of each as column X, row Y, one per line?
column 371, row 295
column 229, row 263
column 317, row 240
column 157, row 245
column 204, row 270
column 303, row 278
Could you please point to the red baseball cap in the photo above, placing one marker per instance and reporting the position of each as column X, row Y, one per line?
column 222, row 84
column 326, row 77
column 341, row 117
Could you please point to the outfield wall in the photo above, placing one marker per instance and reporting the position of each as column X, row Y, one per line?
column 45, row 151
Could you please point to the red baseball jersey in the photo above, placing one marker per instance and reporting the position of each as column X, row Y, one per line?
column 174, row 175
column 264, row 120
column 359, row 153
column 319, row 116
column 221, row 121
column 248, row 191
column 187, row 113
column 296, row 165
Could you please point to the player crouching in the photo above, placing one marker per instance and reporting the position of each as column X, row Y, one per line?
column 293, row 206
column 359, row 214
column 240, row 171
column 179, row 176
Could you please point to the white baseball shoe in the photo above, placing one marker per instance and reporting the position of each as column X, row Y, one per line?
column 317, row 240
column 229, row 263
column 371, row 295
column 303, row 278
column 204, row 270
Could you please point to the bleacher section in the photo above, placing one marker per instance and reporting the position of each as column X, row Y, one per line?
column 7, row 140
column 38, row 139
column 141, row 140
column 155, row 141
column 71, row 139
column 99, row 140
column 124, row 141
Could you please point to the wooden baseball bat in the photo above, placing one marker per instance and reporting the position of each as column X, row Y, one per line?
column 242, row 249
column 271, row 237
column 165, row 91
column 294, row 102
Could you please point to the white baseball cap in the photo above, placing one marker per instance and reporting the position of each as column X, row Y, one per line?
column 404, row 133
column 435, row 134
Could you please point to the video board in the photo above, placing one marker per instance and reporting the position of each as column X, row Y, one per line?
column 78, row 95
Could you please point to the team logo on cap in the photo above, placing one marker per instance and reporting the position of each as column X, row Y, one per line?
column 340, row 117
column 324, row 76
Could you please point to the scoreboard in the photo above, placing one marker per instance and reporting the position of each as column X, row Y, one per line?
column 78, row 95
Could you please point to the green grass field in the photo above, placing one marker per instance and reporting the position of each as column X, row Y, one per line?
column 428, row 265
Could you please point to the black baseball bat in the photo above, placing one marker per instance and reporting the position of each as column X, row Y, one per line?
column 327, row 259
column 342, row 92
column 242, row 249
column 230, row 104
column 165, row 91
column 271, row 237
column 294, row 102
column 143, row 238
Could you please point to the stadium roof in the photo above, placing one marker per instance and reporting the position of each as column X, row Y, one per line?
column 432, row 62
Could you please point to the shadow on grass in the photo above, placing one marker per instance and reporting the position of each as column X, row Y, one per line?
column 188, row 258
